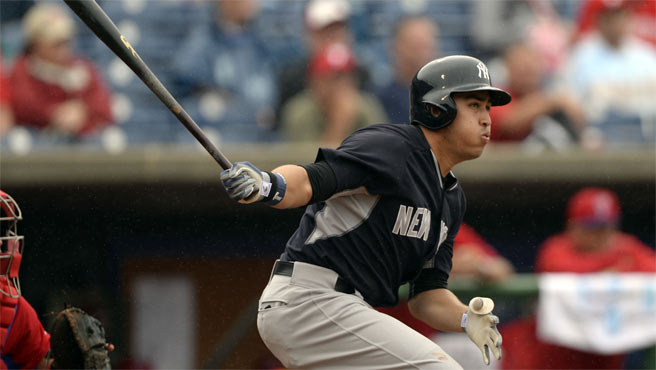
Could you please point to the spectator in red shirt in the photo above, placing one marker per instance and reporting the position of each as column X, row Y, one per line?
column 552, row 118
column 24, row 343
column 592, row 242
column 6, row 115
column 52, row 88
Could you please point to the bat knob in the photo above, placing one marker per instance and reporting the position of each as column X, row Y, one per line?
column 481, row 305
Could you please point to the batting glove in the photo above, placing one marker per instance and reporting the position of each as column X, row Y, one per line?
column 481, row 327
column 246, row 184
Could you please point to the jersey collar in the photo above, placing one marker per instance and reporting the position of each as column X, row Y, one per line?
column 449, row 181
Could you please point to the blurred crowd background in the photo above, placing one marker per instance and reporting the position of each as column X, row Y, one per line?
column 146, row 240
column 581, row 72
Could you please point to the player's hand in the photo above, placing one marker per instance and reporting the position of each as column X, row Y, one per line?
column 481, row 327
column 243, row 182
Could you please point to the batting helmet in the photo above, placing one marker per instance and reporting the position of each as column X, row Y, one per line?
column 11, row 245
column 434, row 83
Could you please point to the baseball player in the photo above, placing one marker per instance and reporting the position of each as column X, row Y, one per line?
column 24, row 342
column 382, row 210
column 78, row 339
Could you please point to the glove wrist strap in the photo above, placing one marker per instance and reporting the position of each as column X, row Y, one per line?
column 463, row 321
column 273, row 188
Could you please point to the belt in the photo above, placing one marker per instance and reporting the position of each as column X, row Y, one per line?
column 286, row 268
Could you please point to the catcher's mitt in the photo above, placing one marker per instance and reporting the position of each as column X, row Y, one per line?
column 77, row 341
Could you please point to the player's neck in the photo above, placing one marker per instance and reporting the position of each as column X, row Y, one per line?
column 441, row 151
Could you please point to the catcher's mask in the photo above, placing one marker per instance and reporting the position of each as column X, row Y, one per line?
column 11, row 245
column 431, row 103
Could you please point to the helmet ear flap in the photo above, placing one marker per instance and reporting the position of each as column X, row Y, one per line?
column 436, row 116
column 433, row 110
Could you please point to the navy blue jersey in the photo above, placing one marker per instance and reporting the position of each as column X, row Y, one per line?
column 392, row 219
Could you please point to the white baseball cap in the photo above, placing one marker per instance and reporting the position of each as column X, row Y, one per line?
column 47, row 22
column 321, row 13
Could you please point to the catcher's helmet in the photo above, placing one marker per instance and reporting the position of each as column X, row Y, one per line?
column 437, row 80
column 11, row 245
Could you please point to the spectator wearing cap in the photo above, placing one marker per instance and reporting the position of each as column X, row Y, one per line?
column 52, row 88
column 592, row 242
column 415, row 42
column 326, row 22
column 332, row 106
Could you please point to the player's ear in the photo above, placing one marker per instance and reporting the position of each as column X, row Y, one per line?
column 434, row 111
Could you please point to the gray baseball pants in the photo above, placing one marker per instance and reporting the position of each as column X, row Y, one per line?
column 307, row 324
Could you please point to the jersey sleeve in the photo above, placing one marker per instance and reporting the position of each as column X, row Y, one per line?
column 436, row 269
column 435, row 273
column 372, row 157
column 27, row 342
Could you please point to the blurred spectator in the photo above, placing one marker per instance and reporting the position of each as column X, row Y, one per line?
column 495, row 25
column 51, row 87
column 326, row 22
column 332, row 106
column 6, row 114
column 536, row 113
column 614, row 73
column 24, row 343
column 226, row 70
column 591, row 243
column 473, row 258
column 415, row 42
column 643, row 13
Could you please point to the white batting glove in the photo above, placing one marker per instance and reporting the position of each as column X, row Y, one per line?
column 246, row 184
column 481, row 327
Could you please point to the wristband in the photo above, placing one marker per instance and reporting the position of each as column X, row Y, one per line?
column 273, row 187
column 463, row 321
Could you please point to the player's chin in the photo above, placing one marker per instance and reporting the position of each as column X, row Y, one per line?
column 471, row 154
column 476, row 151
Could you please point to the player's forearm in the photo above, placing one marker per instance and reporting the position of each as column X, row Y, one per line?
column 299, row 190
column 439, row 308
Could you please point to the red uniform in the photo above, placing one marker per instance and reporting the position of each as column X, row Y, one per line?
column 589, row 208
column 625, row 254
column 34, row 100
column 26, row 342
column 557, row 254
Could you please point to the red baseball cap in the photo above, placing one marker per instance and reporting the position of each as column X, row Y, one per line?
column 334, row 58
column 594, row 207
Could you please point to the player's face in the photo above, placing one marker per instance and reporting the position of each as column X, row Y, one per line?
column 592, row 239
column 470, row 131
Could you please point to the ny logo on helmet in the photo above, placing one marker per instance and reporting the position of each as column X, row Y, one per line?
column 482, row 71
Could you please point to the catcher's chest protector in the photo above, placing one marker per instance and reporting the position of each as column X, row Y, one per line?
column 8, row 308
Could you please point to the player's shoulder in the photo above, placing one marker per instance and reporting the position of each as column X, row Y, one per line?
column 389, row 136
column 625, row 240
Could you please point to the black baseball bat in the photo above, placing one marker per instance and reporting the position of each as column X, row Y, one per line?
column 97, row 20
